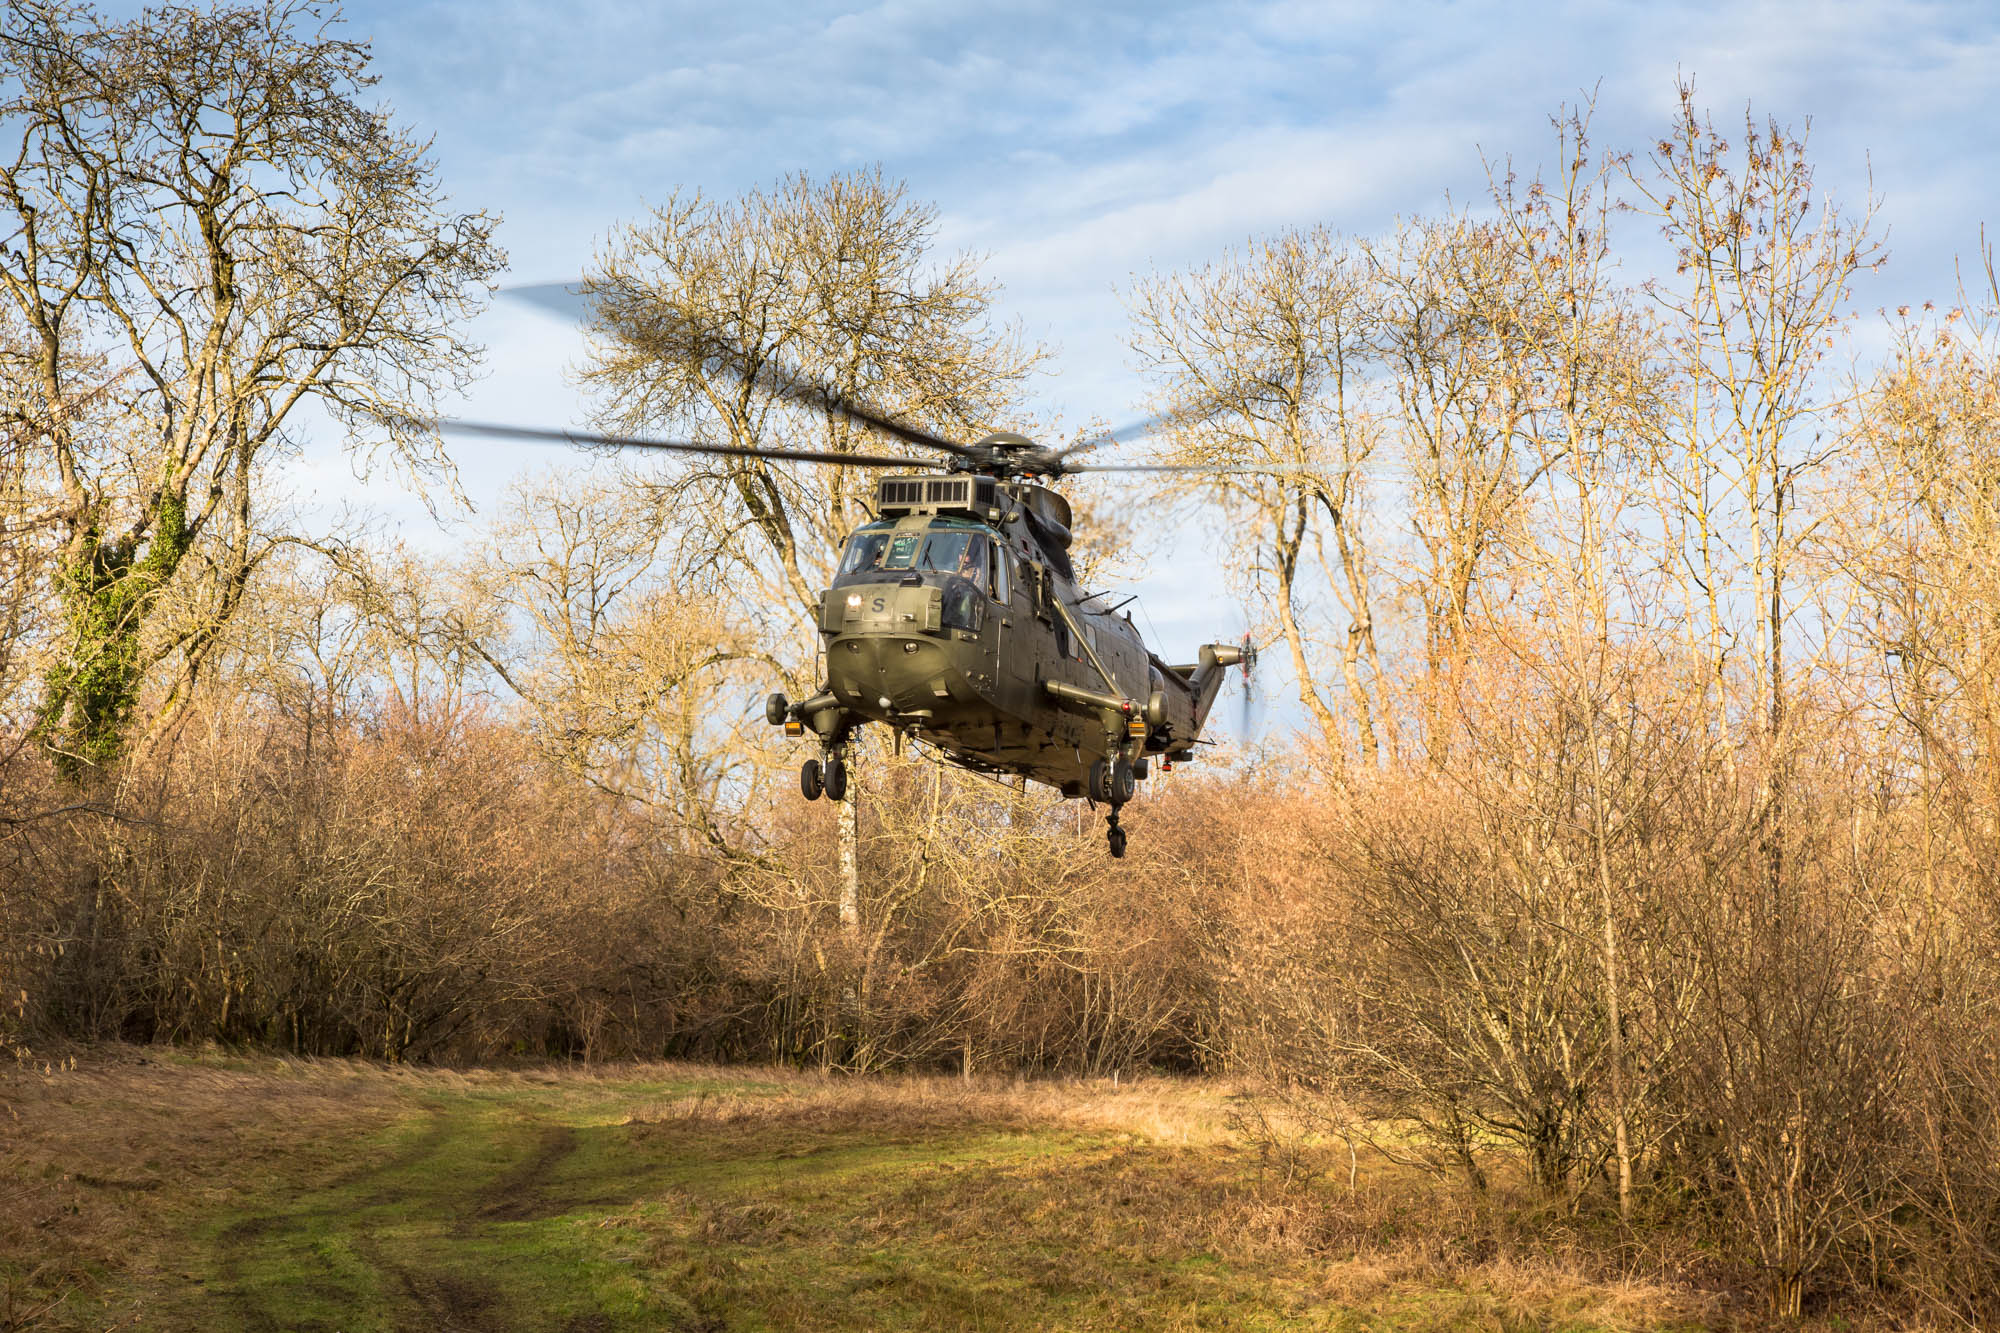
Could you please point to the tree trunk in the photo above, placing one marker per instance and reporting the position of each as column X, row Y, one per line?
column 850, row 845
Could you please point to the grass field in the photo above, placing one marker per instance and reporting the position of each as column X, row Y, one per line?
column 160, row 1190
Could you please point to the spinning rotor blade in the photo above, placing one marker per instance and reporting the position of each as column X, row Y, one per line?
column 569, row 298
column 677, row 446
column 1251, row 698
column 692, row 343
column 1139, row 430
column 781, row 383
column 1226, row 470
column 1126, row 434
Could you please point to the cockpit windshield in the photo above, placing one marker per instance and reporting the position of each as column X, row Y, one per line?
column 958, row 551
column 867, row 551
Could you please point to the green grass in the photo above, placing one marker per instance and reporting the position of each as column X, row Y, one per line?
column 374, row 1201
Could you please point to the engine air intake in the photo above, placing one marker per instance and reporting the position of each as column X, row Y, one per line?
column 942, row 494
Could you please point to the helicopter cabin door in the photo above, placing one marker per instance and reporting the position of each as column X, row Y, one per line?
column 1021, row 632
column 1000, row 619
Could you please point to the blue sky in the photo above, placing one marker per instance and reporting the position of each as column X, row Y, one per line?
column 1078, row 145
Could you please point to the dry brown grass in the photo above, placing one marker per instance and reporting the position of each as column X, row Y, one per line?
column 123, row 1165
column 1158, row 1110
column 110, row 1151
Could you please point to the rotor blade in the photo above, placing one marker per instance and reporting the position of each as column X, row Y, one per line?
column 563, row 300
column 677, row 446
column 1225, row 470
column 781, row 383
column 706, row 346
column 1126, row 434
column 570, row 299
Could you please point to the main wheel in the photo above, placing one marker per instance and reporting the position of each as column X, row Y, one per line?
column 810, row 781
column 1117, row 840
column 1121, row 781
column 836, row 778
column 1098, row 782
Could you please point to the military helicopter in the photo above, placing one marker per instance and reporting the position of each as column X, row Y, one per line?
column 954, row 618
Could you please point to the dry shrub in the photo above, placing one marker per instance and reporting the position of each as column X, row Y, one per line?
column 436, row 891
column 1946, row 1175
column 1420, row 969
column 417, row 892
column 1805, row 1077
column 995, row 932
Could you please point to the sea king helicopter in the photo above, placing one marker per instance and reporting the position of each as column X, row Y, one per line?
column 955, row 618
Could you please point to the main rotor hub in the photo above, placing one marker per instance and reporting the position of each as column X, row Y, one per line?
column 1005, row 439
column 1005, row 453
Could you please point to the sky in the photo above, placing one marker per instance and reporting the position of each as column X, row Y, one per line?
column 1078, row 146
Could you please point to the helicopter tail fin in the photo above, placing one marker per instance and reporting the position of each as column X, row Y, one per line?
column 1206, row 678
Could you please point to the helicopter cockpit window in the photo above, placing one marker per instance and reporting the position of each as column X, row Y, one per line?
column 951, row 554
column 865, row 551
column 958, row 553
column 1002, row 593
column 962, row 558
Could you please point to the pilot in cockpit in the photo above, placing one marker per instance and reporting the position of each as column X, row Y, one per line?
column 964, row 600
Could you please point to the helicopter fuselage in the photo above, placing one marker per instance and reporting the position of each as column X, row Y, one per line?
column 955, row 619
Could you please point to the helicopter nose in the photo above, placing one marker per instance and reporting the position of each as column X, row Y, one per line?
column 891, row 676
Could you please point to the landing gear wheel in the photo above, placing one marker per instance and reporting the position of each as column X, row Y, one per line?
column 1114, row 835
column 810, row 781
column 1121, row 781
column 1098, row 781
column 835, row 771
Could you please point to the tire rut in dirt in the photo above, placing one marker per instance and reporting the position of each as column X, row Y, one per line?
column 233, row 1246
column 436, row 1130
column 456, row 1302
column 520, row 1195
column 453, row 1303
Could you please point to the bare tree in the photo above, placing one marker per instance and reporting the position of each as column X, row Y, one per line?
column 1262, row 361
column 1586, row 364
column 28, row 522
column 1925, row 552
column 1452, row 333
column 203, row 195
column 618, row 662
column 1762, row 278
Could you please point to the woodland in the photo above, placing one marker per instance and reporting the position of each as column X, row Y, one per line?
column 1636, row 863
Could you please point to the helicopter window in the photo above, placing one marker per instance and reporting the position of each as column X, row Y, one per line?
column 959, row 553
column 865, row 550
column 902, row 553
column 1002, row 593
column 962, row 558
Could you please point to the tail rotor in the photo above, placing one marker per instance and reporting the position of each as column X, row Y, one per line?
column 1251, row 712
